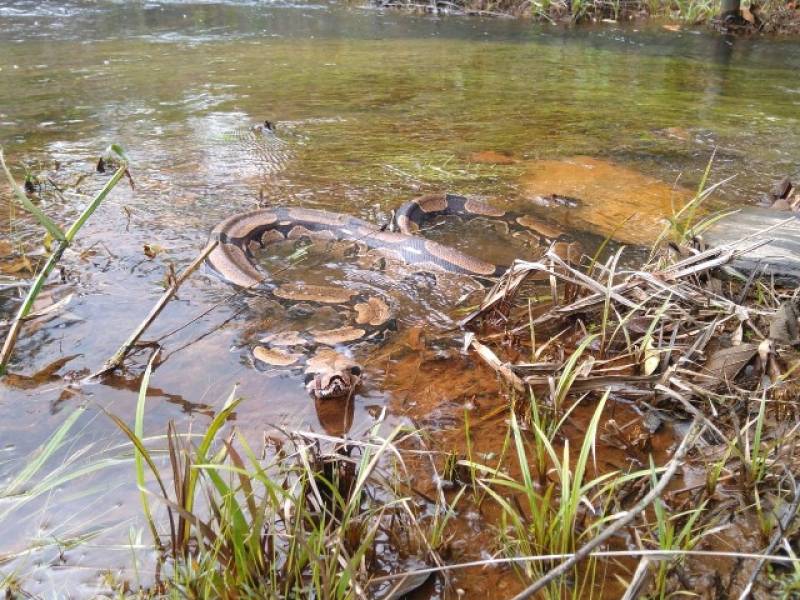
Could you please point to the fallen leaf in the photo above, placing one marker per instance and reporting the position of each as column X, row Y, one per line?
column 43, row 375
column 12, row 267
column 152, row 250
column 724, row 364
column 651, row 358
column 672, row 27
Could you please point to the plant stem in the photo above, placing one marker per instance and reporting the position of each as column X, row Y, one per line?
column 64, row 241
column 116, row 360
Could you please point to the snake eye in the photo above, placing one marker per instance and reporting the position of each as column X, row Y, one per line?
column 355, row 370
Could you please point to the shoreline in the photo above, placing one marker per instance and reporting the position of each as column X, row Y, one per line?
column 773, row 18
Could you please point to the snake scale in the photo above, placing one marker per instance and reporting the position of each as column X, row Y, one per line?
column 330, row 375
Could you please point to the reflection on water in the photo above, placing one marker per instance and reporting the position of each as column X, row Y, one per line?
column 371, row 108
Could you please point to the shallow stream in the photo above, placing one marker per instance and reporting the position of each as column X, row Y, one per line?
column 372, row 108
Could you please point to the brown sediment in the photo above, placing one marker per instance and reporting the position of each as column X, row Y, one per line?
column 439, row 395
column 614, row 199
column 491, row 157
column 314, row 293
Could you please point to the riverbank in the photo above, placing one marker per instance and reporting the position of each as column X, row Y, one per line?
column 773, row 16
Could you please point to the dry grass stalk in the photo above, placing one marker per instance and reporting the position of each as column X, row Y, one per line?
column 116, row 360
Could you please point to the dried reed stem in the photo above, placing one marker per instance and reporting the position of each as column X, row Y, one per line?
column 116, row 360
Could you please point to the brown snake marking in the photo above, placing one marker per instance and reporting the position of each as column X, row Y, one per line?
column 242, row 234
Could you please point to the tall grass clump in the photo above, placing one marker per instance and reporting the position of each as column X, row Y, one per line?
column 684, row 224
column 302, row 523
column 553, row 509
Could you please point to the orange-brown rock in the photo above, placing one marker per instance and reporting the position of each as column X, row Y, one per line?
column 613, row 199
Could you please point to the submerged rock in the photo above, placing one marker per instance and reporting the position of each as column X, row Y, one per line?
column 614, row 200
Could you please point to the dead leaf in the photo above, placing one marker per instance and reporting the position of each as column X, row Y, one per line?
column 585, row 368
column 43, row 375
column 724, row 364
column 669, row 27
column 14, row 266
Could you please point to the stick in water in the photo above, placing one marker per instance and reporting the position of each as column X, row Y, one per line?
column 116, row 360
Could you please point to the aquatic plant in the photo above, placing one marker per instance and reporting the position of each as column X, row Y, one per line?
column 63, row 239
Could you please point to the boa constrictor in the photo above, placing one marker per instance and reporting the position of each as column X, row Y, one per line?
column 241, row 235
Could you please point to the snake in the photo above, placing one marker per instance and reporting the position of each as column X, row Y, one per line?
column 241, row 235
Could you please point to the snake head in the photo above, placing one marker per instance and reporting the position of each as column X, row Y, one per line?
column 333, row 384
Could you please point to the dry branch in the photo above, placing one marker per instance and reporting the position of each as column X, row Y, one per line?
column 116, row 360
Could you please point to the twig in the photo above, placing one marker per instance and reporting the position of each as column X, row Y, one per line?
column 639, row 580
column 495, row 363
column 783, row 525
column 627, row 517
column 541, row 558
column 116, row 360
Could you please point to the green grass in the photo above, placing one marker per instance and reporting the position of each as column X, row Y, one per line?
column 301, row 524
column 63, row 240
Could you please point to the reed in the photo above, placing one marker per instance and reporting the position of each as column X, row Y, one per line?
column 63, row 240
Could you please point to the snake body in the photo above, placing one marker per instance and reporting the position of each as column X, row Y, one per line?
column 241, row 235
